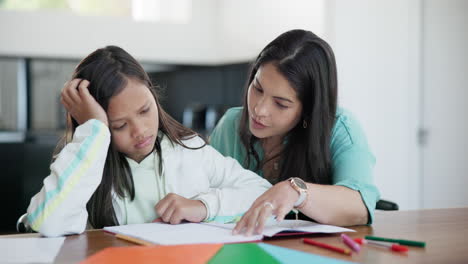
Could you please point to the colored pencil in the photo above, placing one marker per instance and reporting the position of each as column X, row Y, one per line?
column 134, row 240
column 389, row 245
column 399, row 241
column 326, row 246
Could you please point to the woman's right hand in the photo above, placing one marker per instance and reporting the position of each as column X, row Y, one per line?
column 278, row 200
column 80, row 103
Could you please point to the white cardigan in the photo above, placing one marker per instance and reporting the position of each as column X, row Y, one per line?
column 204, row 174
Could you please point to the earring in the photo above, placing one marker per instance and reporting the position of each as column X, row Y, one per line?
column 304, row 123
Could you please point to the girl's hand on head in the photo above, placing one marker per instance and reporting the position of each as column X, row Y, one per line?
column 174, row 209
column 82, row 106
column 278, row 200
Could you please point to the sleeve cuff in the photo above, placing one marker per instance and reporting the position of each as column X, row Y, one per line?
column 368, row 201
column 210, row 200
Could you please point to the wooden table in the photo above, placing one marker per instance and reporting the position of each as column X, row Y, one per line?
column 445, row 232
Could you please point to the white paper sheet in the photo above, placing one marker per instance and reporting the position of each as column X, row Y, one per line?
column 29, row 250
column 188, row 233
column 272, row 227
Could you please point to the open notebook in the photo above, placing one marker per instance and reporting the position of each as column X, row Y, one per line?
column 289, row 227
column 200, row 233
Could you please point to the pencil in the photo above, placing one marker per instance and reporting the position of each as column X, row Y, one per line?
column 134, row 240
column 392, row 246
column 399, row 241
column 326, row 246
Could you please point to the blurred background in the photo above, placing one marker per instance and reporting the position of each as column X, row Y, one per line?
column 402, row 70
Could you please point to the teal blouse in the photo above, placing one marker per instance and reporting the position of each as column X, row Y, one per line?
column 351, row 157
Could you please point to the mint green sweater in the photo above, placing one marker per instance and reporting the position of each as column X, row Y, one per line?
column 351, row 157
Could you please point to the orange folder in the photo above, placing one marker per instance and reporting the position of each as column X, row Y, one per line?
column 198, row 253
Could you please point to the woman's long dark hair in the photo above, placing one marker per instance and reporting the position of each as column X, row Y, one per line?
column 308, row 63
column 108, row 70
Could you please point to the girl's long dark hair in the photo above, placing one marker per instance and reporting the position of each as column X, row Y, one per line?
column 108, row 70
column 308, row 63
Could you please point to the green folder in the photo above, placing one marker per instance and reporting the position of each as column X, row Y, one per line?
column 242, row 253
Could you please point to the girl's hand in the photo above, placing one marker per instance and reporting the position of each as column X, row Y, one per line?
column 174, row 208
column 80, row 103
column 278, row 200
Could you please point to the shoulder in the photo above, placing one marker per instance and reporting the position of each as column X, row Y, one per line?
column 192, row 142
column 347, row 131
column 225, row 137
column 227, row 128
column 231, row 117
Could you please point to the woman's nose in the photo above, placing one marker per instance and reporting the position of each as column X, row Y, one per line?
column 261, row 108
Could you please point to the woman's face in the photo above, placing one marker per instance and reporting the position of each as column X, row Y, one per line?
column 274, row 108
column 133, row 120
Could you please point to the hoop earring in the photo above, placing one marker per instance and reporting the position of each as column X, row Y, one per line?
column 304, row 123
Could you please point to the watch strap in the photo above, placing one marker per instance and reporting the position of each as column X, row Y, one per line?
column 301, row 199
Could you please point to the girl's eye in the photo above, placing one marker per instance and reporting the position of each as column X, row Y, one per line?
column 120, row 127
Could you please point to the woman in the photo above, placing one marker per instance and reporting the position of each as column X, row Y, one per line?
column 290, row 126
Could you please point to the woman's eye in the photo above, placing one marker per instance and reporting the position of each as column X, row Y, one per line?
column 281, row 105
column 258, row 89
column 145, row 110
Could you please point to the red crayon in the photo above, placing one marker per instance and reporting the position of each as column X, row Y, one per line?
column 326, row 246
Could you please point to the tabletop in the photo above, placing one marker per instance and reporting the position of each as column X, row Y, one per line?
column 445, row 232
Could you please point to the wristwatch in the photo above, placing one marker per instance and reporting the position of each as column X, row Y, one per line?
column 300, row 186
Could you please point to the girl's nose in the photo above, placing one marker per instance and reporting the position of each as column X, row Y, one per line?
column 138, row 131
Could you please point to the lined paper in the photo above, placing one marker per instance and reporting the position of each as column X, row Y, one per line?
column 187, row 233
column 200, row 233
column 272, row 227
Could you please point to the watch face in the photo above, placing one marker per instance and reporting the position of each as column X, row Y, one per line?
column 300, row 183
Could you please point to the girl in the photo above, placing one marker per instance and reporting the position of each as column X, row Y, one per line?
column 290, row 126
column 124, row 160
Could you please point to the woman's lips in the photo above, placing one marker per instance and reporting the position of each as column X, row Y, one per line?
column 145, row 142
column 257, row 125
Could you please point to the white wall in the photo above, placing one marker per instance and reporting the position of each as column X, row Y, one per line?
column 445, row 78
column 220, row 31
column 246, row 26
column 62, row 34
column 374, row 46
column 403, row 68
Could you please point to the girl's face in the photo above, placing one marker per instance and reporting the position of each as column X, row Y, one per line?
column 133, row 120
column 274, row 108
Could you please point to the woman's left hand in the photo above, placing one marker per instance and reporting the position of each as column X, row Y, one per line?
column 174, row 208
column 278, row 200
